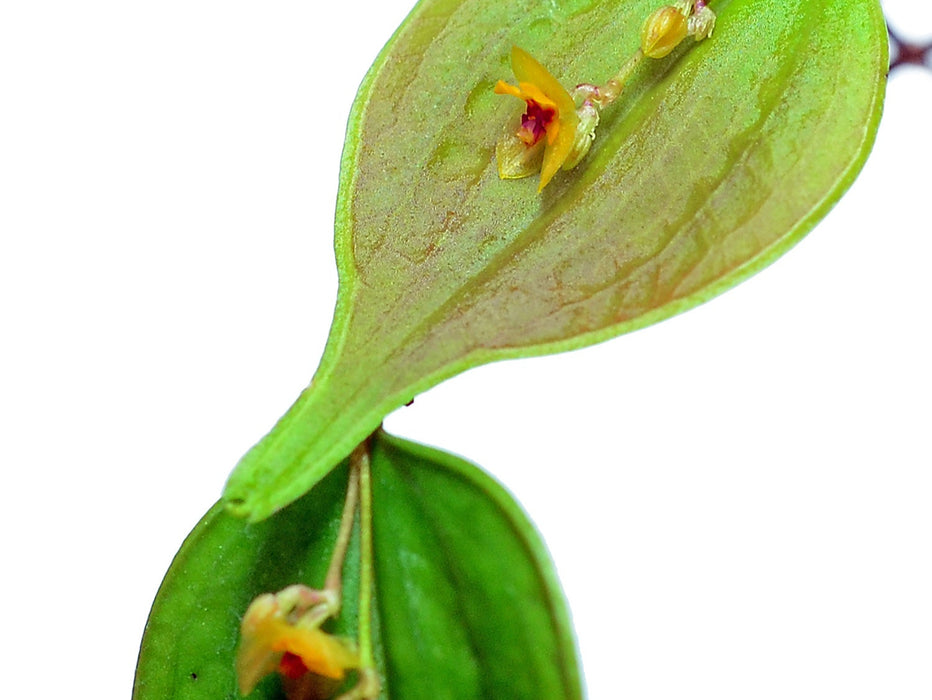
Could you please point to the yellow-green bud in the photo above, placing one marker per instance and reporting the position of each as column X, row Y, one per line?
column 663, row 31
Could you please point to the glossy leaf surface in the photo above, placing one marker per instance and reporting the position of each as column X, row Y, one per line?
column 467, row 603
column 714, row 162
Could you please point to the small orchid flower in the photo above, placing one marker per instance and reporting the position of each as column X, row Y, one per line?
column 549, row 122
column 281, row 633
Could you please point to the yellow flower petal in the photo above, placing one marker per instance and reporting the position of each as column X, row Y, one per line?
column 530, row 91
column 322, row 653
column 503, row 88
column 255, row 658
column 556, row 153
column 525, row 91
column 528, row 71
column 266, row 634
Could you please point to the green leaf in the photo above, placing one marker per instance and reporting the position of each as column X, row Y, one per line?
column 715, row 161
column 467, row 603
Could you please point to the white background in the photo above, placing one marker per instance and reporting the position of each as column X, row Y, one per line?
column 738, row 499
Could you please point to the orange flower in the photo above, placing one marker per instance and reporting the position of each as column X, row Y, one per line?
column 550, row 117
column 271, row 640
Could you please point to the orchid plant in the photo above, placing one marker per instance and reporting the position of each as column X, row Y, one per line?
column 680, row 149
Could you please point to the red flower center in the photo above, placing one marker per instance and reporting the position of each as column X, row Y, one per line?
column 535, row 121
column 291, row 666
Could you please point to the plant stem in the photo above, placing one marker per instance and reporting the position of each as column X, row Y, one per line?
column 369, row 685
column 616, row 84
column 364, row 474
column 333, row 582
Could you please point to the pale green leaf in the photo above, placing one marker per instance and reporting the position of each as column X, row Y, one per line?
column 713, row 163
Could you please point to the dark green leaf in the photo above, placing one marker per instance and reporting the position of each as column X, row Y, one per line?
column 467, row 603
column 715, row 161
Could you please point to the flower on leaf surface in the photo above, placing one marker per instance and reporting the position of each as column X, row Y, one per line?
column 275, row 635
column 554, row 133
column 549, row 122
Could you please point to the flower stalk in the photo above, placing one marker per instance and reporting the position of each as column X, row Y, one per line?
column 369, row 685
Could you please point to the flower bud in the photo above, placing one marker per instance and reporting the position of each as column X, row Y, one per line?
column 663, row 31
